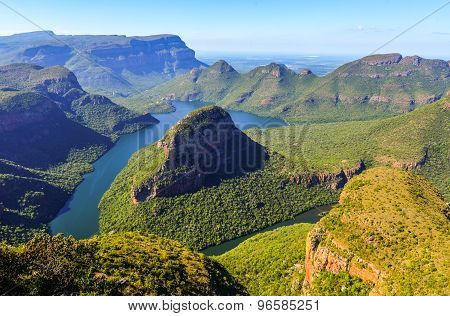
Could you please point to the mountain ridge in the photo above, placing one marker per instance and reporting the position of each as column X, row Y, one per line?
column 108, row 64
column 371, row 87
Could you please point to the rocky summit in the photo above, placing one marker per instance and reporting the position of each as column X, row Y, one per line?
column 200, row 150
column 375, row 86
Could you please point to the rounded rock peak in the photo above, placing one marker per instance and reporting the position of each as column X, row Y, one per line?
column 221, row 66
column 305, row 71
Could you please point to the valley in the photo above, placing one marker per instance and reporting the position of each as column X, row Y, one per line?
column 130, row 167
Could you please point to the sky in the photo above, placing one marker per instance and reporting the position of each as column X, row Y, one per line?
column 254, row 26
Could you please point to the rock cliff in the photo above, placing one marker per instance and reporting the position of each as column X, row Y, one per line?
column 390, row 228
column 333, row 180
column 108, row 63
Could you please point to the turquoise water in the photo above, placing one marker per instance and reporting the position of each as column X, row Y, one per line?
column 79, row 217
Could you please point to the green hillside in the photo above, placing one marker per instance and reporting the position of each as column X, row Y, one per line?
column 61, row 86
column 43, row 155
column 417, row 140
column 375, row 86
column 118, row 264
column 390, row 228
column 51, row 131
column 207, row 84
column 270, row 263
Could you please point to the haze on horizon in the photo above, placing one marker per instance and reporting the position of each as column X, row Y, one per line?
column 253, row 27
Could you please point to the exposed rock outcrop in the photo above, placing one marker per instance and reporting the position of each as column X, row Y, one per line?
column 322, row 258
column 200, row 150
column 334, row 180
column 382, row 59
column 405, row 165
column 305, row 72
column 375, row 237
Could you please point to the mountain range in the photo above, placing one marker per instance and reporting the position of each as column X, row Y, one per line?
column 371, row 87
column 113, row 65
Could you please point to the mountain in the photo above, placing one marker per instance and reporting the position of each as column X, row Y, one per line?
column 51, row 131
column 114, row 65
column 116, row 264
column 388, row 235
column 42, row 157
column 209, row 84
column 61, row 85
column 204, row 183
column 305, row 166
column 203, row 148
column 329, row 152
column 371, row 87
column 390, row 229
column 36, row 133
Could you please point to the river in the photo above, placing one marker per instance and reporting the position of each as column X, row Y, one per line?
column 80, row 215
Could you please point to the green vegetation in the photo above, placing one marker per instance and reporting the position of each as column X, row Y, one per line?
column 340, row 284
column 51, row 132
column 390, row 221
column 256, row 200
column 30, row 197
column 373, row 87
column 61, row 86
column 117, row 264
column 42, row 158
column 401, row 141
column 206, row 84
column 212, row 214
column 270, row 263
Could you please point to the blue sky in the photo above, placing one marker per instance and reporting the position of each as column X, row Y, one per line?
column 255, row 26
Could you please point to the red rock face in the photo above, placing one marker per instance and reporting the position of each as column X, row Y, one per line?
column 322, row 258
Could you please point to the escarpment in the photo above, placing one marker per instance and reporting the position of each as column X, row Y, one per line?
column 332, row 180
column 119, row 66
column 388, row 225
column 200, row 150
column 61, row 86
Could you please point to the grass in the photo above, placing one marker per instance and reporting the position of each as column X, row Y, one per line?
column 395, row 221
column 270, row 263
